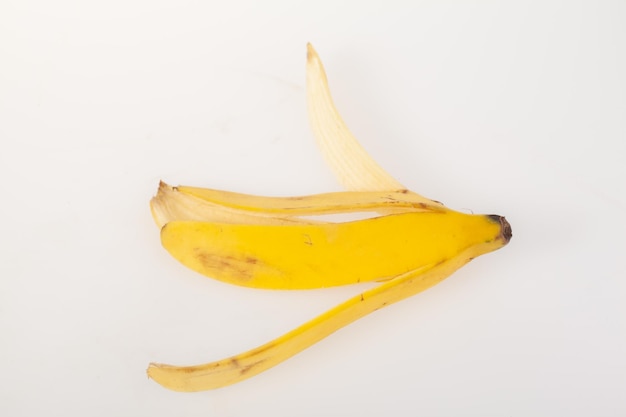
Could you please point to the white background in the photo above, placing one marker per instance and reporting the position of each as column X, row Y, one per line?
column 516, row 108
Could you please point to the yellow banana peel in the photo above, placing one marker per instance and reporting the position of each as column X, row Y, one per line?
column 409, row 244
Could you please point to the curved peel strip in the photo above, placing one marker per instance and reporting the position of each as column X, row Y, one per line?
column 170, row 204
column 237, row 368
column 327, row 203
column 349, row 161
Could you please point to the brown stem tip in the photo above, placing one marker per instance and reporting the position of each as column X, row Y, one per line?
column 505, row 228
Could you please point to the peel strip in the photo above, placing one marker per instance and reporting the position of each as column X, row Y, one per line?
column 327, row 203
column 170, row 204
column 350, row 162
column 240, row 367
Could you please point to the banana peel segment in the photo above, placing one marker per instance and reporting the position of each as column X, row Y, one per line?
column 353, row 166
column 243, row 366
column 319, row 204
column 172, row 204
column 219, row 233
column 324, row 255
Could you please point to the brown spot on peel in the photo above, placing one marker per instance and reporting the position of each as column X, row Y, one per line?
column 231, row 265
column 248, row 368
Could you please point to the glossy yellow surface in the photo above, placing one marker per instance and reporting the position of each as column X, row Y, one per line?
column 324, row 255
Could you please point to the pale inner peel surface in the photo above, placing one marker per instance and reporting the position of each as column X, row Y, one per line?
column 352, row 165
column 328, row 203
column 170, row 204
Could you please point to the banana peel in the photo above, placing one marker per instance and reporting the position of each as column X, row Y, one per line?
column 409, row 243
